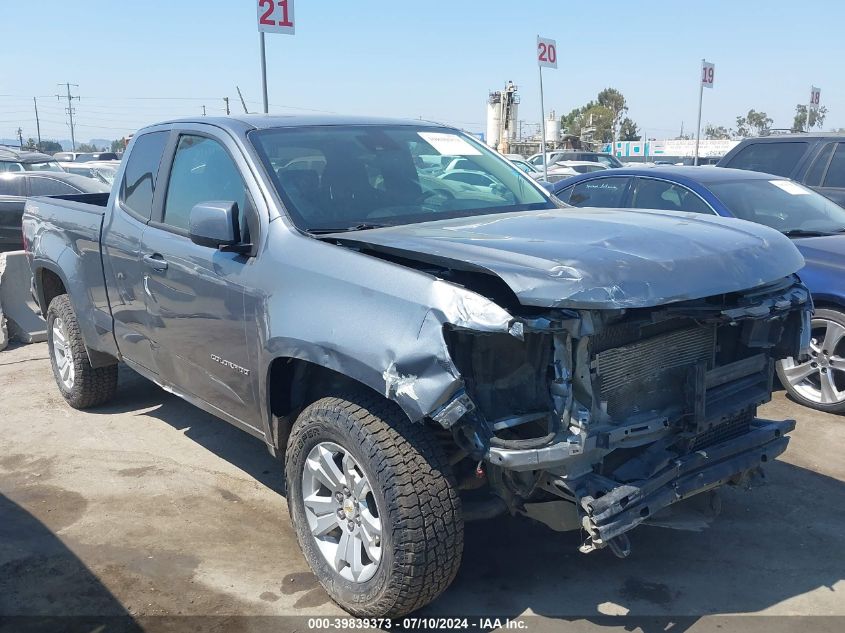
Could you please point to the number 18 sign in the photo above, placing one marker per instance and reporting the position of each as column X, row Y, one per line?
column 275, row 16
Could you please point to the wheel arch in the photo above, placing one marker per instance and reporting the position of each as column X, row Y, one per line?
column 48, row 284
column 292, row 383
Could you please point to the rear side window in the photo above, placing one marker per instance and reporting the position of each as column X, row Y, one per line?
column 11, row 186
column 139, row 179
column 816, row 172
column 667, row 196
column 772, row 158
column 49, row 187
column 601, row 192
column 836, row 170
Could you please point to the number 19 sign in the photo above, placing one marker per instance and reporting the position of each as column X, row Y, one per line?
column 546, row 52
column 708, row 74
column 275, row 16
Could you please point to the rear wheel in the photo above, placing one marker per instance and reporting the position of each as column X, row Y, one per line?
column 81, row 385
column 819, row 382
column 374, row 505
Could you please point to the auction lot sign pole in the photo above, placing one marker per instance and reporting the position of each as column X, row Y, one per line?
column 546, row 56
column 274, row 16
column 708, row 73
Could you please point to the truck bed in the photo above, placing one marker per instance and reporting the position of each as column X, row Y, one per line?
column 62, row 240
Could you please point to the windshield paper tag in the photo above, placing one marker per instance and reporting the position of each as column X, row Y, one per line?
column 790, row 187
column 448, row 144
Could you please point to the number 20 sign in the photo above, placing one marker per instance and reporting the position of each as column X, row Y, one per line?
column 275, row 16
column 546, row 52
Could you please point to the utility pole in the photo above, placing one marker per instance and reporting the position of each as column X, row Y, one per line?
column 37, row 123
column 226, row 99
column 203, row 110
column 70, row 111
column 20, row 137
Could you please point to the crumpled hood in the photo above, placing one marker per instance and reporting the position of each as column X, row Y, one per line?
column 598, row 258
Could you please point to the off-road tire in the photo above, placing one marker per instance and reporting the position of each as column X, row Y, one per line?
column 90, row 386
column 415, row 490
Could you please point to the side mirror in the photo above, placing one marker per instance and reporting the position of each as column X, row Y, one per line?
column 215, row 224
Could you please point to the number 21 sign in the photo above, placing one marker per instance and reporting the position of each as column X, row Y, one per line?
column 275, row 16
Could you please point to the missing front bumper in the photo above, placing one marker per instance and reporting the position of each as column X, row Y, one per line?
column 610, row 509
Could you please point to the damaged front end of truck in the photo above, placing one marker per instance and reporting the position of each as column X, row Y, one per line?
column 601, row 419
column 594, row 391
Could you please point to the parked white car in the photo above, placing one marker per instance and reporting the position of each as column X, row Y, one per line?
column 568, row 168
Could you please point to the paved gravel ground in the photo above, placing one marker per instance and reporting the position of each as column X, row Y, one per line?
column 149, row 507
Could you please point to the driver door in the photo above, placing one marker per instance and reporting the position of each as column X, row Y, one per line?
column 202, row 317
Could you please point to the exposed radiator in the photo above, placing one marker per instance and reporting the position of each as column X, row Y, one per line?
column 651, row 373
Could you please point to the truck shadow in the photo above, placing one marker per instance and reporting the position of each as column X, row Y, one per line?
column 44, row 586
column 250, row 454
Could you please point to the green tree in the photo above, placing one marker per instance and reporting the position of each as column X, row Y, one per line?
column 614, row 101
column 817, row 116
column 753, row 124
column 117, row 145
column 86, row 147
column 628, row 130
column 719, row 132
column 50, row 147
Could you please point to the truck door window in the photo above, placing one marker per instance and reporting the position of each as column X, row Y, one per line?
column 202, row 171
column 139, row 178
column 772, row 158
column 836, row 170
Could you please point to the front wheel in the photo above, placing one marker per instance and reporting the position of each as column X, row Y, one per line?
column 374, row 505
column 819, row 382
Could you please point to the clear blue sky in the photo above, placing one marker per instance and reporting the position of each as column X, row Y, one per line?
column 435, row 59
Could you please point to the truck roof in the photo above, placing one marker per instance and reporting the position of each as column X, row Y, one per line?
column 265, row 121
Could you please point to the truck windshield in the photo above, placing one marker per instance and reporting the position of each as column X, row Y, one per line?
column 360, row 176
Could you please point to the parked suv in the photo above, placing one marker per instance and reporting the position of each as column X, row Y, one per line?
column 16, row 160
column 817, row 160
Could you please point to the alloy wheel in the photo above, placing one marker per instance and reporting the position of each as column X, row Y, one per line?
column 341, row 511
column 62, row 354
column 821, row 378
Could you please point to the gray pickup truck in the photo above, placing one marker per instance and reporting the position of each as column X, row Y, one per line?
column 422, row 351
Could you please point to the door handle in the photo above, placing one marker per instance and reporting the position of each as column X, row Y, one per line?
column 156, row 262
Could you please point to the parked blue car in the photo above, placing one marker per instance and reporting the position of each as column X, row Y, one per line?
column 816, row 224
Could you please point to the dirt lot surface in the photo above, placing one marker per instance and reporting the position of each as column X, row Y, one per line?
column 150, row 507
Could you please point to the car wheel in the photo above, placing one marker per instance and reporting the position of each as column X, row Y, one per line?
column 819, row 382
column 374, row 505
column 81, row 385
